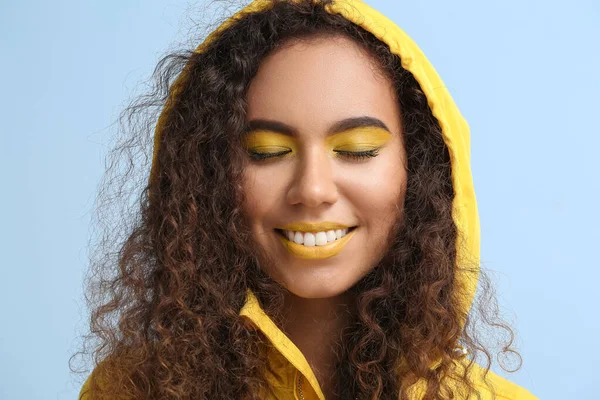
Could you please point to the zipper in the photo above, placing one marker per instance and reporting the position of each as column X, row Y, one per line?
column 300, row 393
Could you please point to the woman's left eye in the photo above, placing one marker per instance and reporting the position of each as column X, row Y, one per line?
column 358, row 155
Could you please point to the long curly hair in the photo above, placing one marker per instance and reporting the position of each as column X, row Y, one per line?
column 174, row 256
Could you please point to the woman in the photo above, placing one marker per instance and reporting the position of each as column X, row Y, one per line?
column 309, row 230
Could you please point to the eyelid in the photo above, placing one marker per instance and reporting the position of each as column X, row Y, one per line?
column 366, row 138
column 356, row 147
column 267, row 138
column 269, row 149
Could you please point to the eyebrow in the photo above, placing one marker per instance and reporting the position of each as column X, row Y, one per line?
column 337, row 127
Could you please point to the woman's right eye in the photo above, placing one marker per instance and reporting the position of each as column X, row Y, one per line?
column 256, row 155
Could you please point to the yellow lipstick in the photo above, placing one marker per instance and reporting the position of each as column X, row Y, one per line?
column 315, row 252
column 313, row 226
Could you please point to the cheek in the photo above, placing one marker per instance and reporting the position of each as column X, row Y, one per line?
column 387, row 204
column 252, row 190
column 379, row 188
column 260, row 186
column 378, row 196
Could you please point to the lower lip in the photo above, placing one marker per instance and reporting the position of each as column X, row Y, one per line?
column 316, row 252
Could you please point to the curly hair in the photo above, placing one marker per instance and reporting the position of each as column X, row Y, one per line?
column 171, row 270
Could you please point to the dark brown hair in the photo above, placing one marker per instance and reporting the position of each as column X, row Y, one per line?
column 170, row 272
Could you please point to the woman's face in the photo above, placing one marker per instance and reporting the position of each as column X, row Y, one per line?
column 325, row 148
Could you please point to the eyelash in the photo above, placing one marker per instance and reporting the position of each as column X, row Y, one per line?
column 354, row 155
column 263, row 156
column 359, row 155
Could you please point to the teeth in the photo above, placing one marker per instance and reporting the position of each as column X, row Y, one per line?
column 330, row 237
column 315, row 238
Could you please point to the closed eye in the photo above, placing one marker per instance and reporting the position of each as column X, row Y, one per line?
column 255, row 155
column 358, row 155
column 353, row 155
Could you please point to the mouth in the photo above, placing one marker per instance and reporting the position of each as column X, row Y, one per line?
column 316, row 245
column 314, row 238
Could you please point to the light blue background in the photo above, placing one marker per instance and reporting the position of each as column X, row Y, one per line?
column 524, row 74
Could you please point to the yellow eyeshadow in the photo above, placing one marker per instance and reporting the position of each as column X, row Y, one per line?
column 266, row 141
column 354, row 140
column 359, row 139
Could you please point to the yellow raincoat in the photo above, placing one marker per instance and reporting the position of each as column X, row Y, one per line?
column 290, row 366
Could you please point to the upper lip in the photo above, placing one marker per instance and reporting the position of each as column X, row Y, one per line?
column 313, row 226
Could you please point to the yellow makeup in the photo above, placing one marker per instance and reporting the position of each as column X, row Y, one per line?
column 358, row 139
column 353, row 140
column 267, row 142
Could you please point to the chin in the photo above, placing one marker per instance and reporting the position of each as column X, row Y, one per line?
column 318, row 288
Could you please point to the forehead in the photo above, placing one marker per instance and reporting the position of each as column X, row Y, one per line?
column 312, row 83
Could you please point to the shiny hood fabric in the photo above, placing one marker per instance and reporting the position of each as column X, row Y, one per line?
column 286, row 359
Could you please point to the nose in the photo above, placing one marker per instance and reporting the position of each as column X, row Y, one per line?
column 313, row 182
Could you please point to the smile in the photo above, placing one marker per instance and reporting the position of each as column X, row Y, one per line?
column 315, row 245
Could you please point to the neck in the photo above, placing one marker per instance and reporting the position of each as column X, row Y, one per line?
column 315, row 327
